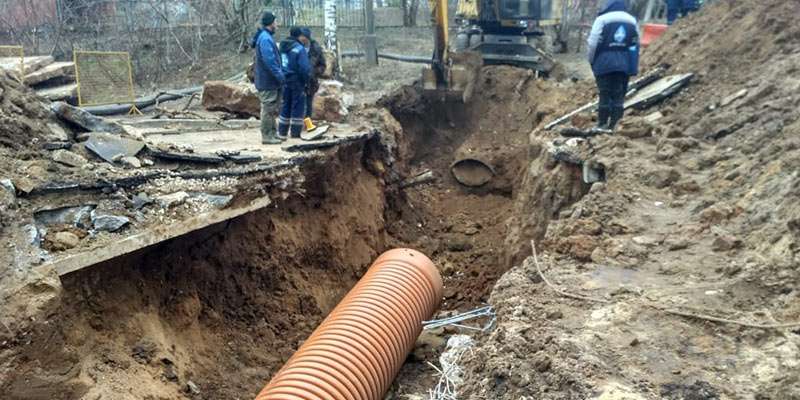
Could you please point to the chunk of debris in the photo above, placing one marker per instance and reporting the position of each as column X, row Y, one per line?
column 141, row 200
column 132, row 162
column 172, row 200
column 50, row 146
column 216, row 200
column 85, row 119
column 63, row 70
column 243, row 158
column 8, row 194
column 108, row 147
column 653, row 117
column 65, row 241
column 108, row 222
column 59, row 93
column 230, row 97
column 192, row 388
column 726, row 243
column 423, row 177
column 185, row 157
column 659, row 90
column 68, row 158
column 57, row 133
column 328, row 143
column 78, row 216
column 730, row 99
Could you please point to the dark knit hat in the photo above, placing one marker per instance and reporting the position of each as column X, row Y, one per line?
column 267, row 19
column 306, row 32
column 296, row 32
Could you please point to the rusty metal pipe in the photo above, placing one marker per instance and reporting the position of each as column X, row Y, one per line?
column 358, row 349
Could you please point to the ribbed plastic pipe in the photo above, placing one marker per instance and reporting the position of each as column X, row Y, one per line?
column 359, row 348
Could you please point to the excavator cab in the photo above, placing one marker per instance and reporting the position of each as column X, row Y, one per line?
column 508, row 31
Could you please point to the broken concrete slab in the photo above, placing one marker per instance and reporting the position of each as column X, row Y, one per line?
column 317, row 134
column 59, row 93
column 658, row 91
column 66, row 265
column 31, row 63
column 79, row 216
column 68, row 158
column 230, row 97
column 328, row 143
column 244, row 158
column 110, row 147
column 63, row 70
column 84, row 119
column 172, row 200
column 185, row 157
column 108, row 222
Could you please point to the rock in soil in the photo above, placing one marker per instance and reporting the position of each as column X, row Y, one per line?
column 172, row 200
column 109, row 223
column 69, row 158
column 65, row 241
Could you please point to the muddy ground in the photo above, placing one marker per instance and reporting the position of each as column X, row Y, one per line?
column 677, row 276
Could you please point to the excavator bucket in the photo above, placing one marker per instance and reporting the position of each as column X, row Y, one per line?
column 454, row 81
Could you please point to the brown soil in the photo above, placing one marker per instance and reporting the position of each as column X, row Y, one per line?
column 698, row 215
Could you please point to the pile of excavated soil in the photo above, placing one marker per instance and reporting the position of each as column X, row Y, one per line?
column 698, row 216
column 21, row 114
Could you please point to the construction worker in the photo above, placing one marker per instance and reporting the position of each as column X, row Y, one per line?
column 316, row 58
column 269, row 77
column 682, row 8
column 297, row 70
column 614, row 55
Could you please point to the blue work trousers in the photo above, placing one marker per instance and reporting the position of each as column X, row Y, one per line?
column 293, row 111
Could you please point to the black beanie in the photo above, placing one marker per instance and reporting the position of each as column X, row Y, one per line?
column 267, row 19
column 296, row 32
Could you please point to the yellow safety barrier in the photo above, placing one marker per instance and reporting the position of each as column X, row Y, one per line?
column 104, row 77
column 12, row 53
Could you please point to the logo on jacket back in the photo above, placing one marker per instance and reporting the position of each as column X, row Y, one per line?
column 285, row 60
column 620, row 34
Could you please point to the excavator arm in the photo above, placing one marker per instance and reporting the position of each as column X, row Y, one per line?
column 450, row 76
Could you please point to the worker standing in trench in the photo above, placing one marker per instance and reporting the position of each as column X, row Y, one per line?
column 269, row 77
column 614, row 56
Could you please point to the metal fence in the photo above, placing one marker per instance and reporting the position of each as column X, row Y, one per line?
column 349, row 13
column 104, row 77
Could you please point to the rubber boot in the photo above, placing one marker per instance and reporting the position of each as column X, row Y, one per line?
column 310, row 127
column 282, row 137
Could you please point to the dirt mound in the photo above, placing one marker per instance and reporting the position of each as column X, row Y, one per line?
column 21, row 114
column 698, row 215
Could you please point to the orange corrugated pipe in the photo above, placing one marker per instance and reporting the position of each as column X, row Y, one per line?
column 358, row 349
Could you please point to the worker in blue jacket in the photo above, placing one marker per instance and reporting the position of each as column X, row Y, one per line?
column 614, row 55
column 269, row 76
column 682, row 8
column 297, row 69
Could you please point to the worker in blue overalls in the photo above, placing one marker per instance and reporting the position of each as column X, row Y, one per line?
column 297, row 72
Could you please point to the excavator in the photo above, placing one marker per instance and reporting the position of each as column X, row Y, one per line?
column 492, row 32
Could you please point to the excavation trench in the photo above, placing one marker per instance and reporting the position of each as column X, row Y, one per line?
column 214, row 313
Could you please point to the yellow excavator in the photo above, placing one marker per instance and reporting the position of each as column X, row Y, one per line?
column 491, row 32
